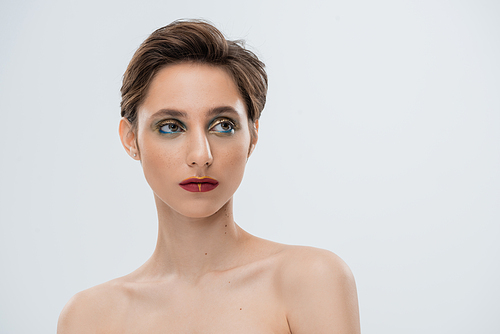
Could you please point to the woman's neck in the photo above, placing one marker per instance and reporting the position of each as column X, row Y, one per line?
column 192, row 247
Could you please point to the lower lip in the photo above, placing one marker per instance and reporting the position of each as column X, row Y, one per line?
column 199, row 187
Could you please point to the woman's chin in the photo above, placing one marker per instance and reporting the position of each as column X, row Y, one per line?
column 194, row 210
column 199, row 212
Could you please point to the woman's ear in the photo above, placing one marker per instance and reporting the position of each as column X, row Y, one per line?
column 128, row 138
column 254, row 136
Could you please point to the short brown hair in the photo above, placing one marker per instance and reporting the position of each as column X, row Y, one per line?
column 196, row 41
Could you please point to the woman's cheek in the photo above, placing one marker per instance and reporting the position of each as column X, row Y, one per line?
column 158, row 162
column 236, row 159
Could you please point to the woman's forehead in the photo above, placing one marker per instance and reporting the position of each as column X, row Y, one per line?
column 191, row 88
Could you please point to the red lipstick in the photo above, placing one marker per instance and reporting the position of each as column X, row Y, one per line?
column 199, row 184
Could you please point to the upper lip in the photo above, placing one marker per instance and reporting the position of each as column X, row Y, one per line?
column 203, row 179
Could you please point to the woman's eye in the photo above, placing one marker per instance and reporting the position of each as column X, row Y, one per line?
column 223, row 126
column 171, row 128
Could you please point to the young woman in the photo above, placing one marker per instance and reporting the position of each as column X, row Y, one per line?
column 191, row 102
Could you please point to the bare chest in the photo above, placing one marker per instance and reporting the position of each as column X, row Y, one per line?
column 220, row 305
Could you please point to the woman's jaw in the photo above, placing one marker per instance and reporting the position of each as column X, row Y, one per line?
column 204, row 213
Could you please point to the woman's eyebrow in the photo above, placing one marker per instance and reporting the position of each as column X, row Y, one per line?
column 219, row 110
column 170, row 113
column 181, row 114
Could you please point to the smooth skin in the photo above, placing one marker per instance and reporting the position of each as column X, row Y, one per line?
column 206, row 274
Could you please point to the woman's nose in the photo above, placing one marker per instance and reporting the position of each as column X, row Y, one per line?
column 199, row 153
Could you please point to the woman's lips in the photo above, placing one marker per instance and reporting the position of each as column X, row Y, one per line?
column 199, row 184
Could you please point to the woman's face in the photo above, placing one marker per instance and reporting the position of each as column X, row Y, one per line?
column 193, row 138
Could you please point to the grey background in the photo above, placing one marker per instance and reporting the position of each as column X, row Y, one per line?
column 380, row 141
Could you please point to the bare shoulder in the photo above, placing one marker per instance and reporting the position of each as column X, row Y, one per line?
column 318, row 291
column 310, row 263
column 89, row 310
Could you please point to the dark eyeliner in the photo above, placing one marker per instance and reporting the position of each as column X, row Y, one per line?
column 221, row 120
column 162, row 123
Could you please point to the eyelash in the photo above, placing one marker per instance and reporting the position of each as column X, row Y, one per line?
column 170, row 122
column 222, row 121
column 181, row 128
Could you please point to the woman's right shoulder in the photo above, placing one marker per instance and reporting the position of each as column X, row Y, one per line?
column 90, row 309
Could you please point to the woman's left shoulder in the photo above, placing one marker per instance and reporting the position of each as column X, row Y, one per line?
column 318, row 290
column 312, row 263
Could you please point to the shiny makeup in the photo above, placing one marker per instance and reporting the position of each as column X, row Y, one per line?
column 223, row 126
column 199, row 184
